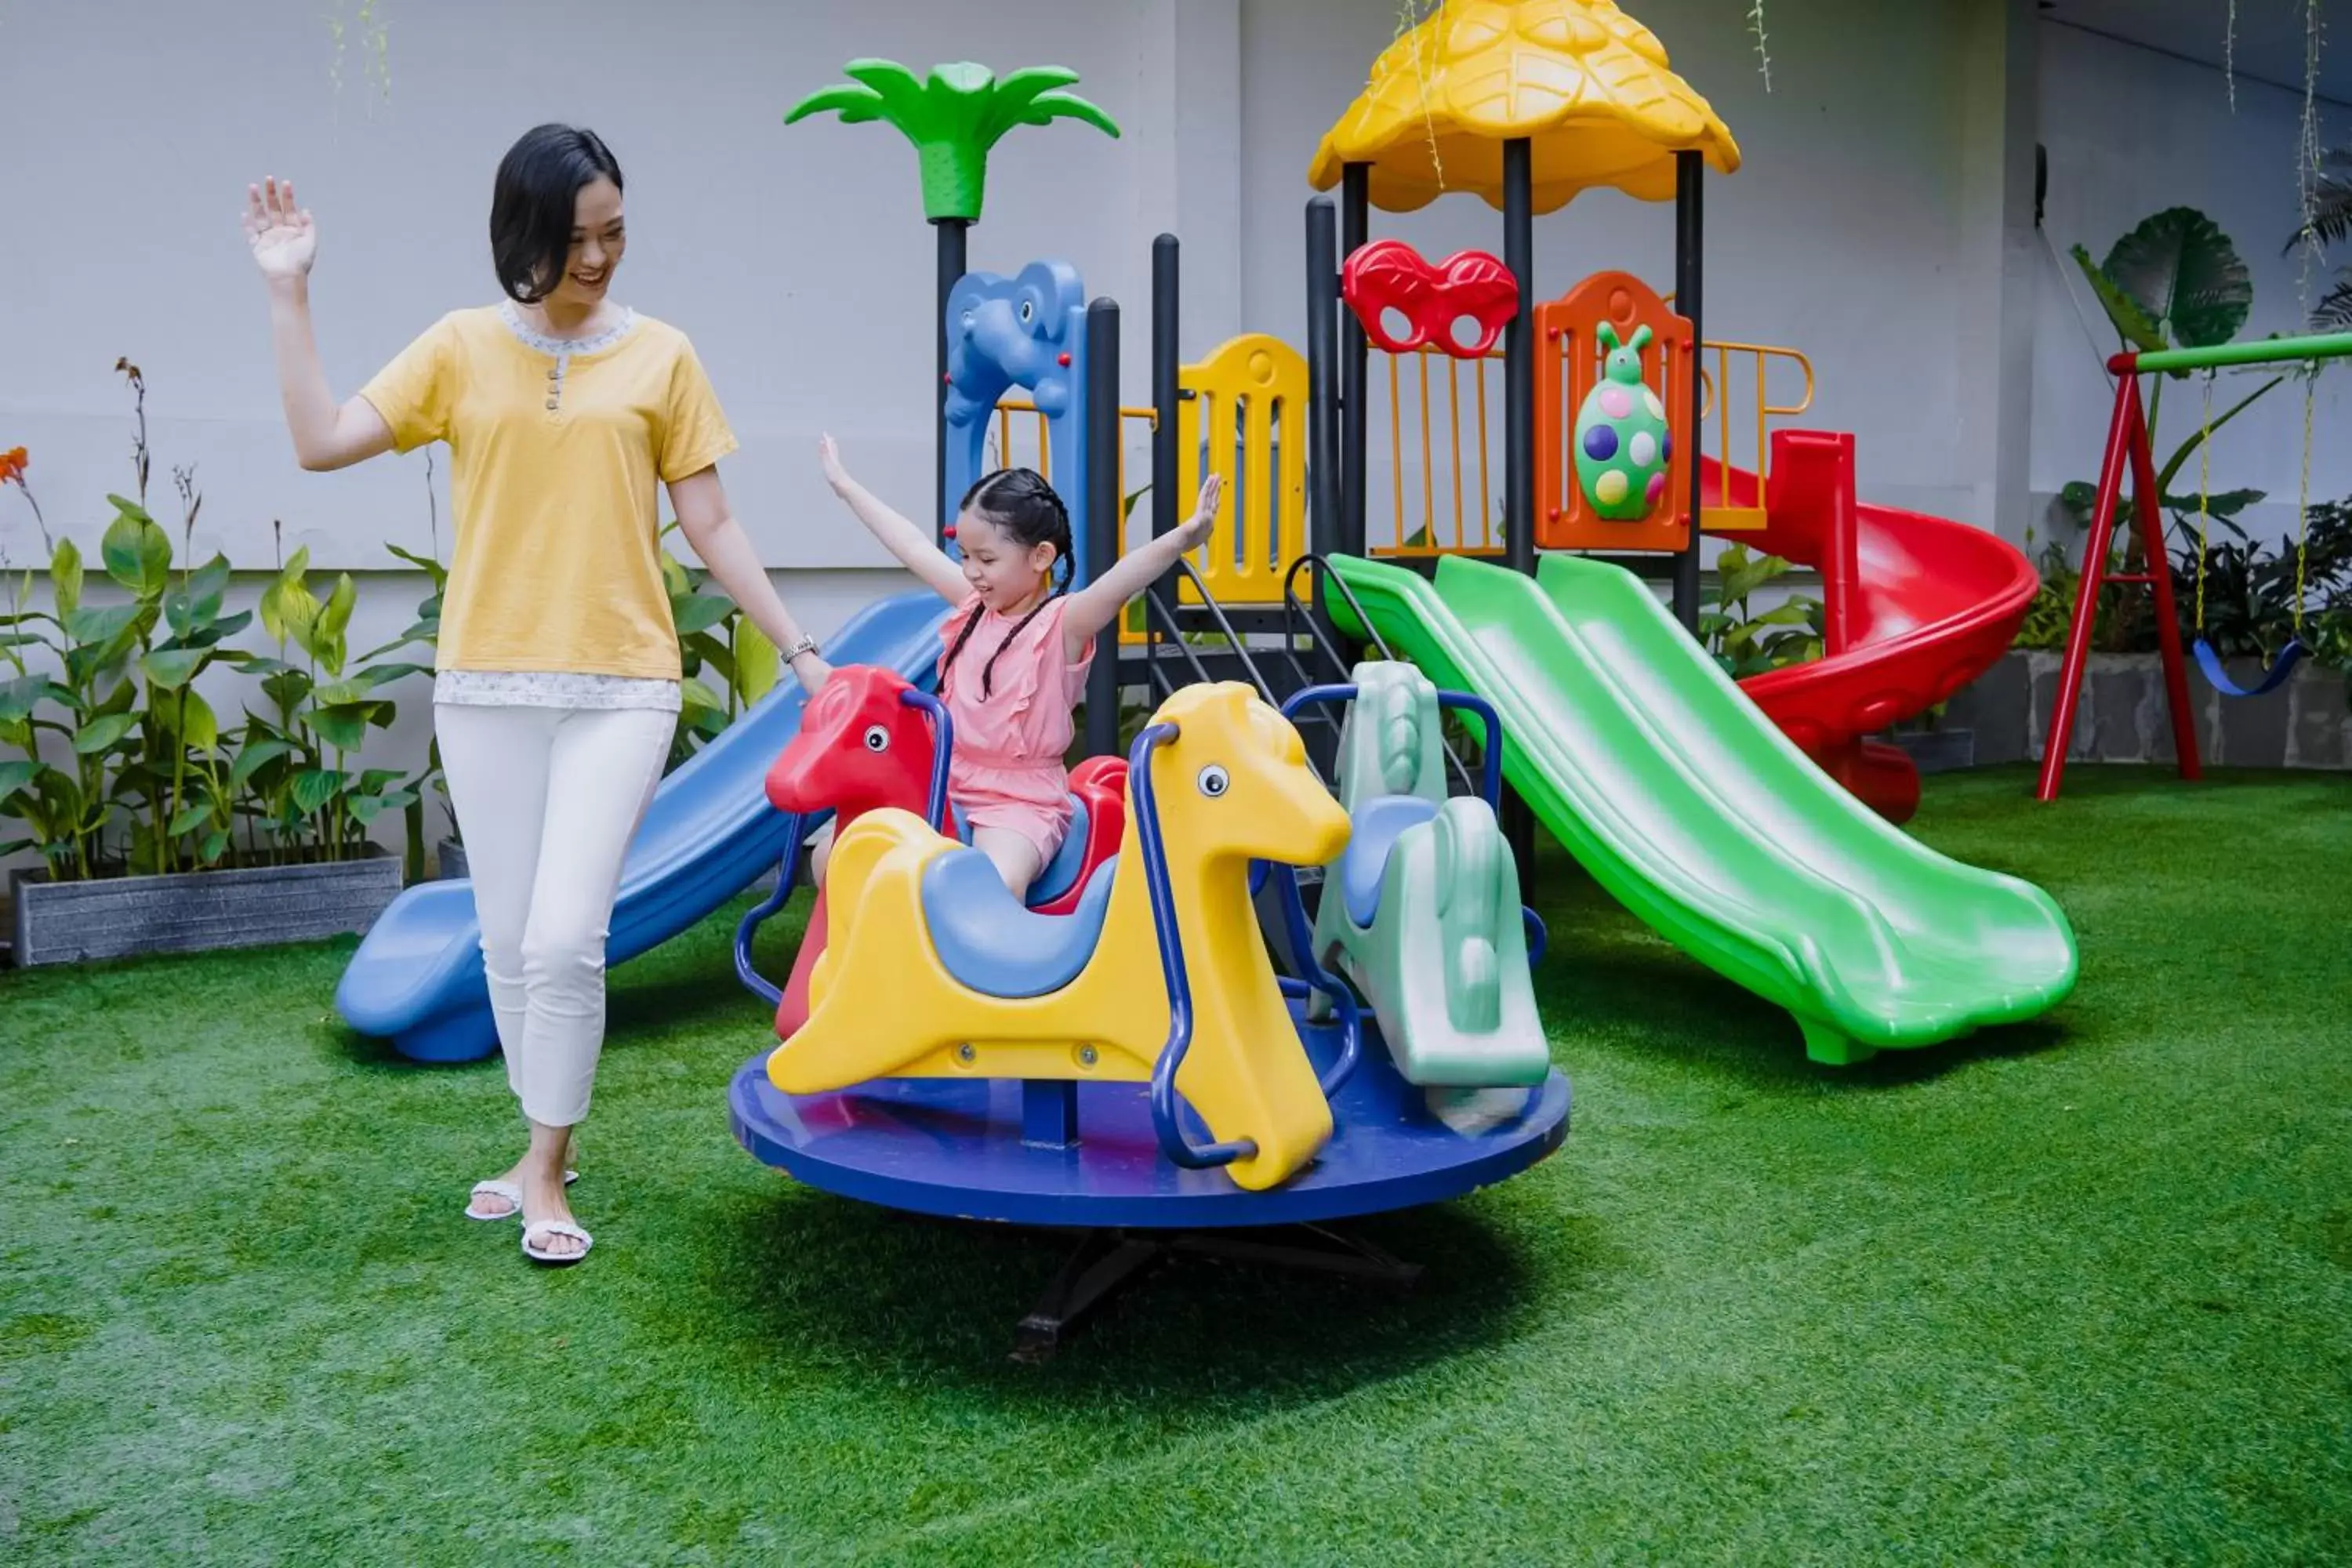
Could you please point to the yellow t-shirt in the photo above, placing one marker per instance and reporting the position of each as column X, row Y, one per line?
column 556, row 451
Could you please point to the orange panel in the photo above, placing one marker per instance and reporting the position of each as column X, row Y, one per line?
column 1568, row 358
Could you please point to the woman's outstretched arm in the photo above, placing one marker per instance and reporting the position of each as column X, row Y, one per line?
column 284, row 242
column 709, row 523
column 901, row 538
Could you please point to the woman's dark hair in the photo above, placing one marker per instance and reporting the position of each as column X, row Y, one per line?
column 1023, row 505
column 533, row 201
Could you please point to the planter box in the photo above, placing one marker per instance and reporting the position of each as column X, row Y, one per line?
column 125, row 917
column 2122, row 716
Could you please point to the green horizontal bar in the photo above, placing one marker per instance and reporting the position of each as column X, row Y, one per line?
column 2261, row 351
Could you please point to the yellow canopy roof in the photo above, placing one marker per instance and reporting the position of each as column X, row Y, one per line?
column 1584, row 82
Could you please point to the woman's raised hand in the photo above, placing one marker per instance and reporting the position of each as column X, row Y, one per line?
column 285, row 241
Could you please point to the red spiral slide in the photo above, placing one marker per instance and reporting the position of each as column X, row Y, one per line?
column 1914, row 607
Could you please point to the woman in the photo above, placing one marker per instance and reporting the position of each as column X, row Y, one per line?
column 557, row 681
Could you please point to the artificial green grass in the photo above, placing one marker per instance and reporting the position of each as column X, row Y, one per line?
column 2076, row 1291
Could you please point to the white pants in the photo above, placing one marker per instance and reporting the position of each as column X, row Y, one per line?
column 547, row 800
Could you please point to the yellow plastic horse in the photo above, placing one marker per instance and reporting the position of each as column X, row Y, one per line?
column 933, row 970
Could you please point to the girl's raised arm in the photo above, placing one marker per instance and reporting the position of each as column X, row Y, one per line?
column 1094, row 605
column 911, row 544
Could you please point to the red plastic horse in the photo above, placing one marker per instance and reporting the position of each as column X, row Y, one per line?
column 862, row 745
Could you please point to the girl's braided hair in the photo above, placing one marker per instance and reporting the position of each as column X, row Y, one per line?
column 1023, row 505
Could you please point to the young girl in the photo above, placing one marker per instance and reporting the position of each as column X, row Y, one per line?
column 1013, row 657
column 557, row 689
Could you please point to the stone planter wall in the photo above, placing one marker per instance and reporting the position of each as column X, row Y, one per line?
column 2123, row 717
column 125, row 917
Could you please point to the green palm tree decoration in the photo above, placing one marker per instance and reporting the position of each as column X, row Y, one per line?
column 953, row 118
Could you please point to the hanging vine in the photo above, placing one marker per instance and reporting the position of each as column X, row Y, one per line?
column 2229, row 56
column 1755, row 25
column 2308, row 154
column 374, row 36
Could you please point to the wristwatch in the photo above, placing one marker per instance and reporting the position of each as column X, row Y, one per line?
column 806, row 645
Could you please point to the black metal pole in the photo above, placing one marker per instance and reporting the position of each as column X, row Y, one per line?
column 952, row 233
column 1519, row 437
column 1166, row 359
column 1355, row 208
column 1331, row 523
column 1519, row 359
column 1102, row 513
column 1690, row 171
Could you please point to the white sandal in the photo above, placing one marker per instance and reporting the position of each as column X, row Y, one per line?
column 507, row 1190
column 543, row 1229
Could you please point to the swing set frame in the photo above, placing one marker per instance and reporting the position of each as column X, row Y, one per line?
column 2127, row 447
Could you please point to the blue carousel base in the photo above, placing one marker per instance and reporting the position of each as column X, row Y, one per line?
column 954, row 1147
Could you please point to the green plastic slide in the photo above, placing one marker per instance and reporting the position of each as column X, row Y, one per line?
column 1641, row 756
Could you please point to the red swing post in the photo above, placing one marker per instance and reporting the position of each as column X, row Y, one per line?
column 2126, row 444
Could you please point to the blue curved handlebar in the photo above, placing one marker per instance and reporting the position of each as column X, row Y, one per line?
column 795, row 826
column 942, row 747
column 1165, row 1105
column 935, row 811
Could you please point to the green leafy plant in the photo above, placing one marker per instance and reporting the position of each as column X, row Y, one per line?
column 1745, row 644
column 295, row 763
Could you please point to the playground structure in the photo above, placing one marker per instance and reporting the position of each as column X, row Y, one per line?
column 1189, row 1049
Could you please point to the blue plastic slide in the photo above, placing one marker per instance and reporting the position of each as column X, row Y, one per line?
column 710, row 833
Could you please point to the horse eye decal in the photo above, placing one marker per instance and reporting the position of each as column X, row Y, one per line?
column 1028, row 311
column 1214, row 781
column 878, row 738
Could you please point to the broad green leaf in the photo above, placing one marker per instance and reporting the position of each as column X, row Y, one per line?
column 675, row 580
column 199, row 726
column 2132, row 323
column 364, row 808
column 257, row 755
column 336, row 616
column 98, row 628
column 190, row 818
column 700, row 612
column 18, row 698
column 15, row 775
column 694, row 697
column 124, row 507
column 758, row 663
column 342, row 725
column 399, row 799
column 210, row 635
column 215, row 845
column 2181, row 269
column 377, row 674
column 314, row 787
column 288, row 688
column 375, row 781
column 65, row 578
column 167, row 669
column 101, row 733
column 138, row 554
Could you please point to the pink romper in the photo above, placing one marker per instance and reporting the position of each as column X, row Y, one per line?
column 1007, row 770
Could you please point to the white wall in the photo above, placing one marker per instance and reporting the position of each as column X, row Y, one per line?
column 2131, row 132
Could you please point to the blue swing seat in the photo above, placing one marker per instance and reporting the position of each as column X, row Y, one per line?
column 2283, row 666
